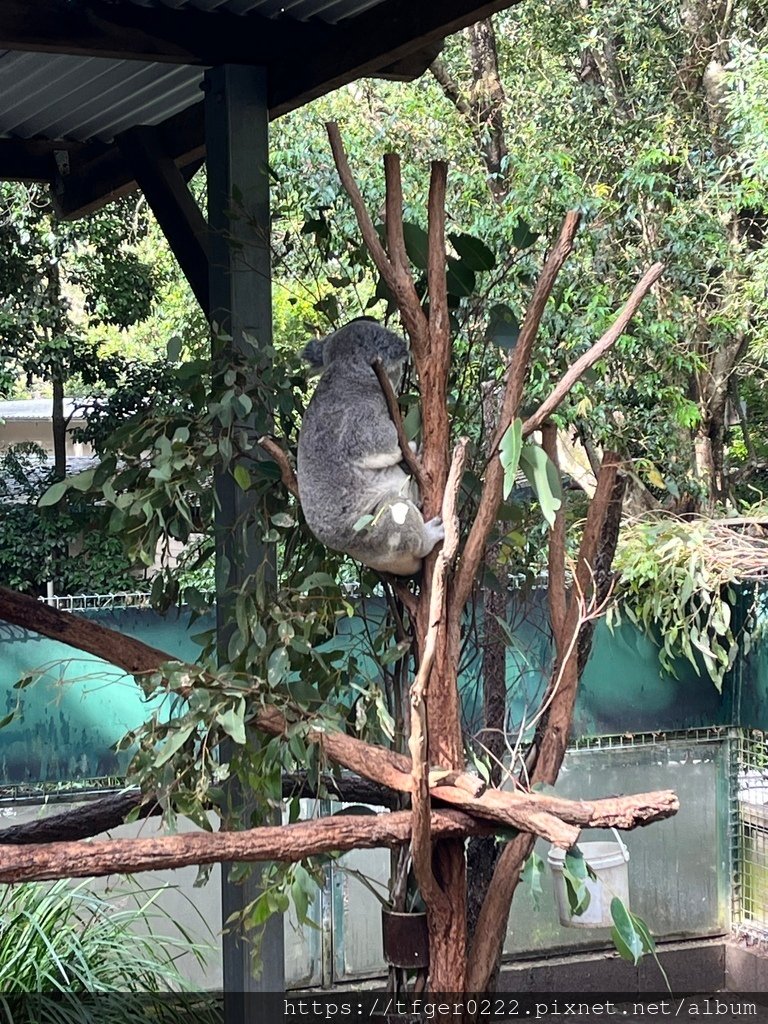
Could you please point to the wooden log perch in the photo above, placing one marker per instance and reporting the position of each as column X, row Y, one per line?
column 107, row 812
column 529, row 812
column 285, row 843
column 45, row 861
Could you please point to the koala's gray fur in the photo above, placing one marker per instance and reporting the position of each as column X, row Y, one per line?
column 349, row 457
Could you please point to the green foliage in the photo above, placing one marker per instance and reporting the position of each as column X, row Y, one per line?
column 532, row 875
column 70, row 547
column 68, row 544
column 632, row 937
column 509, row 452
column 46, row 266
column 576, row 871
column 544, row 478
column 65, row 941
column 676, row 587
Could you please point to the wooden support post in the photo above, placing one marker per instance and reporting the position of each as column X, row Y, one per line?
column 240, row 306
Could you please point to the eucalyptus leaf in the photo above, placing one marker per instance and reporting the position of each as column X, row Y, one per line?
column 242, row 476
column 503, row 327
column 460, row 279
column 416, row 244
column 473, row 252
column 232, row 721
column 544, row 479
column 54, row 494
column 175, row 741
column 510, row 450
column 626, row 937
column 522, row 236
column 532, row 875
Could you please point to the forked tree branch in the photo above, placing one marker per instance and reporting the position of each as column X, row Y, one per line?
column 551, row 736
column 517, row 372
column 398, row 280
column 577, row 370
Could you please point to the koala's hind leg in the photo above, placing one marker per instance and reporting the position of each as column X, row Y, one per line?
column 434, row 532
column 398, row 538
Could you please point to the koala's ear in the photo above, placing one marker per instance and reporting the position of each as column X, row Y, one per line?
column 313, row 353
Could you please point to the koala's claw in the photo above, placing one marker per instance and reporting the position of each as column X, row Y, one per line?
column 434, row 530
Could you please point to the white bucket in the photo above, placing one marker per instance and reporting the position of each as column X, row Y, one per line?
column 609, row 863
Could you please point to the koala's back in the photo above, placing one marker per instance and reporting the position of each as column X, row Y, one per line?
column 349, row 456
column 346, row 431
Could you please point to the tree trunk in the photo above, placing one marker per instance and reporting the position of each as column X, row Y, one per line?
column 59, row 426
column 482, row 104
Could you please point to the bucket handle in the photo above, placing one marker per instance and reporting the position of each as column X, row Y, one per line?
column 620, row 843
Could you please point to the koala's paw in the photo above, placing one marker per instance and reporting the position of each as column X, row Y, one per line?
column 434, row 532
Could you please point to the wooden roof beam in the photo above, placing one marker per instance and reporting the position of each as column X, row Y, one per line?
column 34, row 160
column 126, row 31
column 99, row 173
column 382, row 36
column 172, row 203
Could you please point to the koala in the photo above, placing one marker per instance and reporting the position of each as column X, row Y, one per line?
column 349, row 458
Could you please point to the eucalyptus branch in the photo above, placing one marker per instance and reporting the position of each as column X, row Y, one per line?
column 515, row 380
column 287, row 473
column 409, row 458
column 596, row 352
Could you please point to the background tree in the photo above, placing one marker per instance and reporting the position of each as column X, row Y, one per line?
column 655, row 123
column 59, row 283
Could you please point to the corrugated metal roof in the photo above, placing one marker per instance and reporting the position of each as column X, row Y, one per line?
column 59, row 96
column 79, row 98
column 331, row 11
column 35, row 408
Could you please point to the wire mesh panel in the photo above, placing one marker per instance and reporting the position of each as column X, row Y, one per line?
column 679, row 868
column 750, row 833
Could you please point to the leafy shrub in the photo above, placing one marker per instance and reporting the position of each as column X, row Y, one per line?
column 676, row 582
column 70, row 544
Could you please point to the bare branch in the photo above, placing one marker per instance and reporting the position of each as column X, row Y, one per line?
column 556, row 593
column 399, row 282
column 551, row 736
column 286, row 843
column 421, row 842
column 516, row 374
column 451, row 88
column 287, row 474
column 394, row 222
column 409, row 458
column 596, row 352
column 439, row 326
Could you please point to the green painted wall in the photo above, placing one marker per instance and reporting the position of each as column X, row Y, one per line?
column 81, row 707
